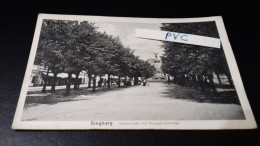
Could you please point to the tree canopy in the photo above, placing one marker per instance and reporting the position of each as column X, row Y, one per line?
column 180, row 60
column 73, row 46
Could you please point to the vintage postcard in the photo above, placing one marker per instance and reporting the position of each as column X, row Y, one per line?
column 93, row 72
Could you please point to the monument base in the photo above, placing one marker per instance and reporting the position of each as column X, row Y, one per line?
column 158, row 78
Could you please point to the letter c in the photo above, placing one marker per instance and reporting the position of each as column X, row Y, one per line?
column 184, row 38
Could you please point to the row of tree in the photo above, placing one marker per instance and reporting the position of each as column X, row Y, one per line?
column 194, row 65
column 72, row 46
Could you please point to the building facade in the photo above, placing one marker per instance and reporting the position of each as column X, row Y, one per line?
column 39, row 73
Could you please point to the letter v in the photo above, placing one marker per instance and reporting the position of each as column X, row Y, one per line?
column 175, row 37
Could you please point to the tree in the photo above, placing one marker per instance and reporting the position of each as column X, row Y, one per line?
column 94, row 59
column 51, row 45
column 192, row 63
column 73, row 46
column 80, row 37
column 108, row 48
column 63, row 46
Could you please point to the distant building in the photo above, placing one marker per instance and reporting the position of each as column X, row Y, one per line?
column 36, row 78
column 159, row 75
column 39, row 73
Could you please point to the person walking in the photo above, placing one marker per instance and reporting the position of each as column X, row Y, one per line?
column 144, row 82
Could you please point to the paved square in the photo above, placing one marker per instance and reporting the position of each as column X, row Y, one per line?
column 155, row 102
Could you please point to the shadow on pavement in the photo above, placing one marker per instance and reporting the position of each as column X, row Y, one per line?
column 196, row 95
column 58, row 96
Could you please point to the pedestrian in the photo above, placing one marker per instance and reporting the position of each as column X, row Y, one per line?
column 148, row 81
column 144, row 82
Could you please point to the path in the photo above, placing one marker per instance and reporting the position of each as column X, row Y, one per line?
column 133, row 103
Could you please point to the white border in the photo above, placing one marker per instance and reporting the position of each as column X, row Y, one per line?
column 249, row 123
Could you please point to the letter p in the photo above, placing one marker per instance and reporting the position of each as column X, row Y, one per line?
column 168, row 34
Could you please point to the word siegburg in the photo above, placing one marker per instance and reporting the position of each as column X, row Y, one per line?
column 101, row 123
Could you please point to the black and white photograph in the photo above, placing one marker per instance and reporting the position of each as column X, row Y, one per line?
column 87, row 72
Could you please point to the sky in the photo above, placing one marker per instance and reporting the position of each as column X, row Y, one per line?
column 144, row 48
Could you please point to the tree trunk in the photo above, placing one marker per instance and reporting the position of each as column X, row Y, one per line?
column 54, row 82
column 182, row 79
column 201, row 82
column 94, row 83
column 89, row 80
column 76, row 87
column 205, row 81
column 194, row 81
column 230, row 80
column 100, row 79
column 210, row 77
column 68, row 85
column 45, row 81
column 135, row 80
column 108, row 81
column 118, row 83
column 174, row 78
column 220, row 83
column 125, row 82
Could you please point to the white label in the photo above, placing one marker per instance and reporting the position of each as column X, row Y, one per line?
column 178, row 37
